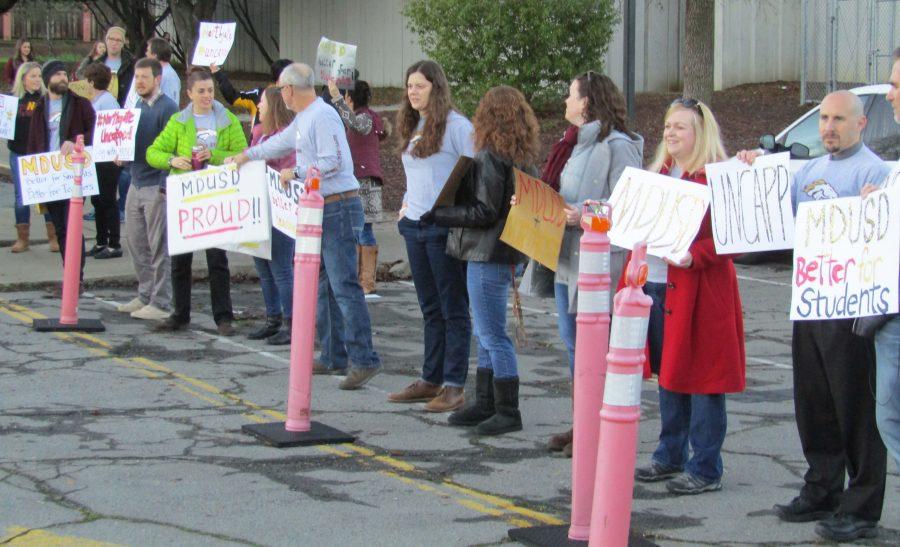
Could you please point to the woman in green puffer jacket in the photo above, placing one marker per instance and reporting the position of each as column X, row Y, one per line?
column 205, row 122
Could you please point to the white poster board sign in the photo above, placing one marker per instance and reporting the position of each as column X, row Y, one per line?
column 751, row 204
column 214, row 43
column 846, row 257
column 663, row 211
column 283, row 202
column 49, row 177
column 114, row 133
column 257, row 249
column 9, row 110
column 893, row 178
column 217, row 206
column 336, row 61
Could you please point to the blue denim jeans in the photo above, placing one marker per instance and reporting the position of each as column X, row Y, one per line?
column 367, row 236
column 342, row 317
column 565, row 323
column 22, row 212
column 887, row 386
column 276, row 276
column 488, row 285
column 124, row 185
column 441, row 290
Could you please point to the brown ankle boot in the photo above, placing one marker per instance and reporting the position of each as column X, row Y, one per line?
column 368, row 263
column 22, row 233
column 51, row 238
column 558, row 442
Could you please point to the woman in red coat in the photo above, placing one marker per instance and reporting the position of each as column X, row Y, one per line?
column 696, row 332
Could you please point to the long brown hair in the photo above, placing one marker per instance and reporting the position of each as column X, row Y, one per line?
column 277, row 114
column 506, row 125
column 604, row 102
column 18, row 56
column 439, row 106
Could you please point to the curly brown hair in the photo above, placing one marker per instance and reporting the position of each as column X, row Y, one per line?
column 439, row 106
column 506, row 125
column 604, row 102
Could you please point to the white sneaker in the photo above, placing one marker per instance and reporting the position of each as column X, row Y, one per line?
column 150, row 312
column 132, row 306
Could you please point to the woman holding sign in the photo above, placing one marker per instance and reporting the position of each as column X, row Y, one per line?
column 696, row 331
column 433, row 137
column 506, row 137
column 207, row 125
column 276, row 276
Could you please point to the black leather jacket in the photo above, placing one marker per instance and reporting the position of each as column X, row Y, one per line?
column 478, row 218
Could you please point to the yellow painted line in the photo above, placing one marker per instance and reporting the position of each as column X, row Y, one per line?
column 22, row 537
column 363, row 451
column 210, row 195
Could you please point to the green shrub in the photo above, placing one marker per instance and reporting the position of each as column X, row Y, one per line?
column 537, row 46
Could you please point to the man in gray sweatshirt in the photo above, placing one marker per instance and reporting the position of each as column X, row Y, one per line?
column 145, row 206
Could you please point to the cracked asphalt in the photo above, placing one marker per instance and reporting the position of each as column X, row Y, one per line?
column 129, row 437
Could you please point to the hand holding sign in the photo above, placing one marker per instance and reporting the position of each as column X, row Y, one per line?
column 214, row 44
column 336, row 62
column 114, row 132
column 536, row 222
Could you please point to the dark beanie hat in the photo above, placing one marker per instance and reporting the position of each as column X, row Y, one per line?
column 50, row 68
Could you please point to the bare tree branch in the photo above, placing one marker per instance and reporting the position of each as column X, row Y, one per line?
column 242, row 14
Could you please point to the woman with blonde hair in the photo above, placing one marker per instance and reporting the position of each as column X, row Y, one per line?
column 696, row 330
column 29, row 87
column 506, row 138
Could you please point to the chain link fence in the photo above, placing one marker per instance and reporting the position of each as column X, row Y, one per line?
column 846, row 43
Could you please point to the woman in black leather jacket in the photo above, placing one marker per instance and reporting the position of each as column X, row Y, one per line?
column 506, row 137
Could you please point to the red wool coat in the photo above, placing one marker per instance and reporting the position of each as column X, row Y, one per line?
column 703, row 334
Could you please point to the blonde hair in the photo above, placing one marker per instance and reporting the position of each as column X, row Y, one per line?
column 19, row 83
column 708, row 147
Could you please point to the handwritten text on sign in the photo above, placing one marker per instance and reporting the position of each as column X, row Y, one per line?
column 214, row 44
column 283, row 202
column 536, row 222
column 9, row 109
column 49, row 176
column 846, row 257
column 336, row 61
column 663, row 211
column 893, row 178
column 751, row 205
column 217, row 206
column 114, row 132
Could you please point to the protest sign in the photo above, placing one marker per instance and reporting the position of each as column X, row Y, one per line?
column 83, row 88
column 336, row 61
column 665, row 212
column 846, row 257
column 217, row 206
column 536, row 222
column 214, row 43
column 9, row 109
column 49, row 177
column 447, row 197
column 283, row 202
column 751, row 204
column 114, row 132
column 258, row 249
column 893, row 178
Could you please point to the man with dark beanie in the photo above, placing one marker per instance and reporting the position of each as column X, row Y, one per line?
column 59, row 117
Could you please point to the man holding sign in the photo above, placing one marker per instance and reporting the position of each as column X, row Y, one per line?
column 342, row 320
column 833, row 401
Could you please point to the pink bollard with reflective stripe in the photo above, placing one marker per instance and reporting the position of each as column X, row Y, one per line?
column 591, row 343
column 621, row 413
column 68, row 314
column 307, row 257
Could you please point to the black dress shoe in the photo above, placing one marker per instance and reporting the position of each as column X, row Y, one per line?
column 95, row 249
column 108, row 252
column 844, row 527
column 271, row 327
column 801, row 509
column 282, row 337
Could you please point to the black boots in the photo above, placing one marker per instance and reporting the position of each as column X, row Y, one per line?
column 273, row 323
column 283, row 336
column 484, row 401
column 506, row 416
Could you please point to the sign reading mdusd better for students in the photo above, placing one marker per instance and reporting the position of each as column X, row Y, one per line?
column 665, row 212
column 846, row 257
column 751, row 204
column 217, row 206
column 49, row 177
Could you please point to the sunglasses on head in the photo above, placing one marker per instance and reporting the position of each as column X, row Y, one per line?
column 688, row 103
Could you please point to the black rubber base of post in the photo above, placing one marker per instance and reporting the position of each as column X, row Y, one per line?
column 83, row 325
column 275, row 434
column 552, row 536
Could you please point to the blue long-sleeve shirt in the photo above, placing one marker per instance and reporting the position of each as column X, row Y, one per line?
column 318, row 138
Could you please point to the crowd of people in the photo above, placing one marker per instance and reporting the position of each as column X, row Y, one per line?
column 461, row 270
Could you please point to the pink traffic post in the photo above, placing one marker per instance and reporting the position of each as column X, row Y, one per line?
column 298, row 429
column 591, row 343
column 621, row 412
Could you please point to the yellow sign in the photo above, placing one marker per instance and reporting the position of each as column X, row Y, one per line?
column 86, row 90
column 536, row 222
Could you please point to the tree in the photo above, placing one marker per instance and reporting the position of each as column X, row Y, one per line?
column 6, row 5
column 139, row 18
column 187, row 15
column 534, row 45
column 697, row 71
column 242, row 14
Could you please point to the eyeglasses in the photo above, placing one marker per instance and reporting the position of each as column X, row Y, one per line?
column 113, row 39
column 693, row 104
